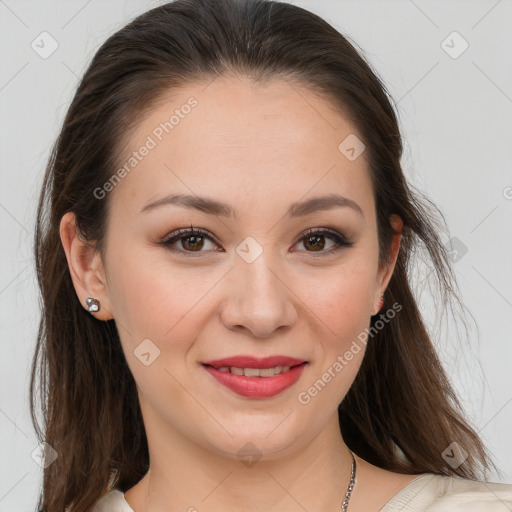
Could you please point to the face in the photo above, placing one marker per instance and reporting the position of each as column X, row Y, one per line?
column 259, row 276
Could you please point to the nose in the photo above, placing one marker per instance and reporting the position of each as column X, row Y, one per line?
column 259, row 297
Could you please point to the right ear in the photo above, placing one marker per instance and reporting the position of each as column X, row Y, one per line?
column 85, row 266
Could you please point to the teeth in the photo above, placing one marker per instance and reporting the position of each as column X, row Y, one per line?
column 255, row 372
column 265, row 372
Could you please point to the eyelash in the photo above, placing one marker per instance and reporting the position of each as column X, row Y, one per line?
column 181, row 234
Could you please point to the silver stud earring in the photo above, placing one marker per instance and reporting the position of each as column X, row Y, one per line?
column 93, row 305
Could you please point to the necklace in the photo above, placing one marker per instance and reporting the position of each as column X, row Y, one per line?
column 346, row 499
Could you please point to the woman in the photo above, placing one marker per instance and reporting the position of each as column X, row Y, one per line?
column 223, row 244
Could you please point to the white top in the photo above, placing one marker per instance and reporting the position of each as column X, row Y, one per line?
column 426, row 493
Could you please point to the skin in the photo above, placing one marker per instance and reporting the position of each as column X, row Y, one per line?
column 258, row 148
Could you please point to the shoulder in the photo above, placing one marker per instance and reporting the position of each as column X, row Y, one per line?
column 438, row 493
column 113, row 501
column 471, row 495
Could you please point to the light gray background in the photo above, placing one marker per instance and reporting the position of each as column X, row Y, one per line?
column 456, row 116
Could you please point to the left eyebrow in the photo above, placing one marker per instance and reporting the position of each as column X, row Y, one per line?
column 214, row 207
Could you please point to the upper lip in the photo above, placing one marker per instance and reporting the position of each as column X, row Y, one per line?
column 255, row 362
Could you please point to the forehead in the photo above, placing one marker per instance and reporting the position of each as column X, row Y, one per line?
column 235, row 138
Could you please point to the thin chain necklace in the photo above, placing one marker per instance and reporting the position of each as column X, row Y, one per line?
column 344, row 503
column 346, row 499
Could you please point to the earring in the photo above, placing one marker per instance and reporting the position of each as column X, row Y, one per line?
column 93, row 305
column 381, row 303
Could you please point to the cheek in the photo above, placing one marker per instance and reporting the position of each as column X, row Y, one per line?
column 140, row 294
column 153, row 310
column 342, row 310
column 341, row 299
column 152, row 298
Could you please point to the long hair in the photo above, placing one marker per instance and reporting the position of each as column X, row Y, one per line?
column 400, row 414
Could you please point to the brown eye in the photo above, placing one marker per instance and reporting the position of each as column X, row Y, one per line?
column 314, row 241
column 192, row 241
column 196, row 242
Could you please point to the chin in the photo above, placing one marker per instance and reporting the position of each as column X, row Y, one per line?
column 256, row 444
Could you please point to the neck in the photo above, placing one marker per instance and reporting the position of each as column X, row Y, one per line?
column 186, row 476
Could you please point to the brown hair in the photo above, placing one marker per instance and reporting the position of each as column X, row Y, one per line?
column 401, row 396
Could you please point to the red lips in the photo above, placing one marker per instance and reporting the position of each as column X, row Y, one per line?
column 254, row 362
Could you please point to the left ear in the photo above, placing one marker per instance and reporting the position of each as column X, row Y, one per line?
column 386, row 271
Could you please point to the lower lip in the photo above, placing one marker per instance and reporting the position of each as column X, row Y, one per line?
column 257, row 387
